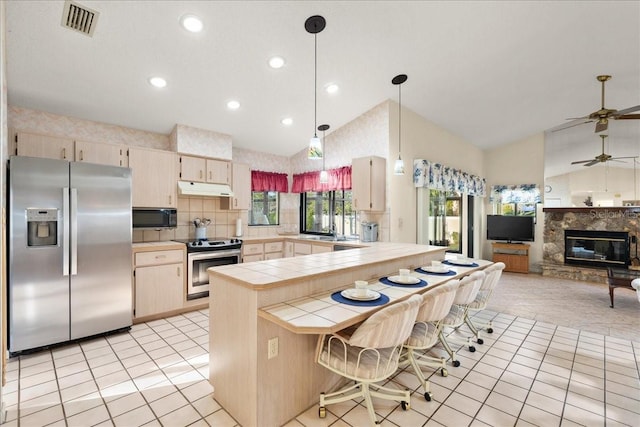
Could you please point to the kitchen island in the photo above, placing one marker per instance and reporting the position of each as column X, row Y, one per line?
column 262, row 391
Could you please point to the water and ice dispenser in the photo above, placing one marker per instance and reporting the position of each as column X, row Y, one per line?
column 42, row 227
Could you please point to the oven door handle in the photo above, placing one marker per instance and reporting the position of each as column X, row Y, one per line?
column 196, row 256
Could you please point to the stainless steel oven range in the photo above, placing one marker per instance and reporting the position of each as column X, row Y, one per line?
column 206, row 253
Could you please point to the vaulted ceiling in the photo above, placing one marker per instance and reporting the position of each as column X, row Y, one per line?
column 490, row 72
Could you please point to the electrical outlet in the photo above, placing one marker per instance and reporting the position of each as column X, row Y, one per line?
column 272, row 351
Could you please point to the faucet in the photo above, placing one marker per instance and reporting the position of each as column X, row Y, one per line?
column 334, row 230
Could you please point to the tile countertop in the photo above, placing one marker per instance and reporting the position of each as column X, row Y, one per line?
column 285, row 271
column 305, row 238
column 320, row 314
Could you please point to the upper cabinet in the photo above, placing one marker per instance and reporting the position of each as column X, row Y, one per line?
column 105, row 154
column 154, row 176
column 200, row 169
column 51, row 147
column 368, row 183
column 241, row 186
column 218, row 171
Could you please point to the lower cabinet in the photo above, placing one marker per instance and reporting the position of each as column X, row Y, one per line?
column 158, row 282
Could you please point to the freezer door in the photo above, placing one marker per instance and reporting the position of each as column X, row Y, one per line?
column 38, row 292
column 101, row 293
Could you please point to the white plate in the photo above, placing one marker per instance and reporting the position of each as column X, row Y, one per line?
column 404, row 280
column 351, row 294
column 432, row 269
column 466, row 262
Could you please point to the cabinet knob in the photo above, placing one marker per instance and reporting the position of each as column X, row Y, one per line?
column 178, row 271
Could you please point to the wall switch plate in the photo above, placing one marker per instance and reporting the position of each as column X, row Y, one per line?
column 272, row 350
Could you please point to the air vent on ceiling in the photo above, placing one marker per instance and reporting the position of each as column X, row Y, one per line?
column 79, row 18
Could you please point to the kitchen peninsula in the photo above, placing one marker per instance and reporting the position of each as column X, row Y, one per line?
column 280, row 307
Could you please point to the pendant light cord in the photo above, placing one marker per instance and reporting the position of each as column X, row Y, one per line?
column 315, row 85
column 399, row 119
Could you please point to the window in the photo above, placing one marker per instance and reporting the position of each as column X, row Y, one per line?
column 264, row 208
column 320, row 210
column 445, row 219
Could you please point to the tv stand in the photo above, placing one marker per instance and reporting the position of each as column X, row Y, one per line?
column 514, row 255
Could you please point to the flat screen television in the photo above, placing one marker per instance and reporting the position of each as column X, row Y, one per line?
column 510, row 228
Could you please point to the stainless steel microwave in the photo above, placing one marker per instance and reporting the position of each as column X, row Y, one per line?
column 155, row 218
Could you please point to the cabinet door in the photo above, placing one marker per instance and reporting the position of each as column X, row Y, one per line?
column 241, row 185
column 301, row 248
column 318, row 249
column 50, row 147
column 368, row 182
column 218, row 171
column 158, row 289
column 193, row 168
column 102, row 153
column 154, row 177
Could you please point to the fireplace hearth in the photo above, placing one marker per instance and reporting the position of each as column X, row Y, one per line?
column 596, row 248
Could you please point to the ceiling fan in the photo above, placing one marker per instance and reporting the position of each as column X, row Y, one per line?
column 601, row 158
column 602, row 116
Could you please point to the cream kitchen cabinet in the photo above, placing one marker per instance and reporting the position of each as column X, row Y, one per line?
column 51, row 147
column 301, row 248
column 201, row 169
column 241, row 186
column 154, row 177
column 319, row 249
column 193, row 168
column 252, row 252
column 273, row 250
column 368, row 183
column 102, row 153
column 159, row 282
column 218, row 171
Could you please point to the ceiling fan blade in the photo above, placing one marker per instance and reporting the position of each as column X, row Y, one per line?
column 628, row 117
column 619, row 113
column 602, row 125
column 626, row 157
column 580, row 162
column 572, row 123
column 592, row 162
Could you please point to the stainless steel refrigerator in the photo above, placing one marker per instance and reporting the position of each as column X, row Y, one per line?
column 69, row 251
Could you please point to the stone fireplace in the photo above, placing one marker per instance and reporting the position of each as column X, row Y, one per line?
column 621, row 221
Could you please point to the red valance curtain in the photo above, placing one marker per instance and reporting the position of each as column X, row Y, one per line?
column 269, row 181
column 339, row 179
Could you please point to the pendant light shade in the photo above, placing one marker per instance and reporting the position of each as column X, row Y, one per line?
column 314, row 25
column 324, row 175
column 398, row 168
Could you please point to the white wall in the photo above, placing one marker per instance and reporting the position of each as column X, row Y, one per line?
column 3, row 156
column 521, row 162
column 421, row 139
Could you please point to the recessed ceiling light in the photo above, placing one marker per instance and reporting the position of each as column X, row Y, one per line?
column 233, row 105
column 158, row 82
column 191, row 23
column 287, row 121
column 332, row 88
column 276, row 62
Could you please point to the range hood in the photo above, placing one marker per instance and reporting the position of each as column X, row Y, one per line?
column 187, row 188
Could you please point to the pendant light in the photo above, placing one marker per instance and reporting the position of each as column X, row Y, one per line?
column 314, row 25
column 324, row 176
column 398, row 168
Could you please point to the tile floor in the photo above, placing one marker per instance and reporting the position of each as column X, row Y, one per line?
column 528, row 372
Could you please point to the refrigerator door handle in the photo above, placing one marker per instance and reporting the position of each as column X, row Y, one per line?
column 74, row 231
column 65, row 231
